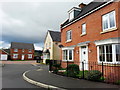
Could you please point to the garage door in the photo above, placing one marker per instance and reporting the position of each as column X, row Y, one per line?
column 3, row 57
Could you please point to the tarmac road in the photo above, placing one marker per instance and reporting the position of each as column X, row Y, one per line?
column 12, row 76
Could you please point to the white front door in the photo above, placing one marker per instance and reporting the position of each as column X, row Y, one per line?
column 23, row 56
column 84, row 57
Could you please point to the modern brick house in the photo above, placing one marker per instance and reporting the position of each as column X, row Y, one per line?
column 91, row 34
column 22, row 51
column 51, row 46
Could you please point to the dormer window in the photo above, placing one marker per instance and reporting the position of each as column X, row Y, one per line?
column 73, row 13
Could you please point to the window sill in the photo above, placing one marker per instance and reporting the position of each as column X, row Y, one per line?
column 68, row 41
column 83, row 34
column 109, row 30
column 66, row 61
column 109, row 64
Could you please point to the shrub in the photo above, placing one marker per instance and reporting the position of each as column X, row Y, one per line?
column 72, row 70
column 94, row 75
column 117, row 82
column 47, row 61
column 80, row 75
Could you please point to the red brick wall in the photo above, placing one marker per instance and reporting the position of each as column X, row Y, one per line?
column 93, row 29
column 26, row 52
column 2, row 52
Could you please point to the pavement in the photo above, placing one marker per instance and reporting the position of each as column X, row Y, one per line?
column 41, row 76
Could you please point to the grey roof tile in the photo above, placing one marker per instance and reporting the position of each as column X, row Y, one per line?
column 19, row 45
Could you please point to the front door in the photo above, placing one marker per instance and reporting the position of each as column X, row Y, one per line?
column 84, row 58
column 23, row 56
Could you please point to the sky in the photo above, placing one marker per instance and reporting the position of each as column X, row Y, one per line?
column 28, row 21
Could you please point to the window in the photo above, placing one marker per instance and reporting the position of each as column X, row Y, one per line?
column 30, row 50
column 84, row 28
column 68, row 55
column 23, row 50
column 15, row 50
column 15, row 55
column 117, row 52
column 71, row 15
column 109, row 53
column 29, row 55
column 69, row 35
column 109, row 21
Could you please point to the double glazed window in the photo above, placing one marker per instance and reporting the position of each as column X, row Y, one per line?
column 84, row 28
column 69, row 35
column 109, row 21
column 68, row 55
column 15, row 55
column 29, row 55
column 15, row 50
column 109, row 53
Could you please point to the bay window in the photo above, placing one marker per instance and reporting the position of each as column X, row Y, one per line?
column 109, row 53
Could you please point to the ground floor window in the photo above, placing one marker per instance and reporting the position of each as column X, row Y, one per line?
column 68, row 55
column 109, row 53
column 15, row 55
column 29, row 55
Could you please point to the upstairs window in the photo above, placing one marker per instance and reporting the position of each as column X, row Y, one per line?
column 83, row 28
column 69, row 35
column 15, row 50
column 109, row 21
column 29, row 50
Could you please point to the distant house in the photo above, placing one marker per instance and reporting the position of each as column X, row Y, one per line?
column 3, row 54
column 51, row 46
column 22, row 51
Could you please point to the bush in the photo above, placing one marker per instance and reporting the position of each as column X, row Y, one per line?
column 94, row 75
column 80, row 75
column 117, row 82
column 47, row 61
column 73, row 70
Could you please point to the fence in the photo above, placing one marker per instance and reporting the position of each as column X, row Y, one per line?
column 110, row 72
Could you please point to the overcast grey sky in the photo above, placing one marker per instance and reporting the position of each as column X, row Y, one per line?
column 29, row 21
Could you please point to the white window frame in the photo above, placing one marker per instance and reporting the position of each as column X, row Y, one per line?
column 69, row 37
column 15, row 55
column 83, row 27
column 108, row 21
column 113, row 54
column 67, row 54
column 29, row 50
column 29, row 56
column 71, row 15
column 23, row 50
column 15, row 50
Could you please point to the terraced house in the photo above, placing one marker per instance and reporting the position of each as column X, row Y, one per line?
column 91, row 35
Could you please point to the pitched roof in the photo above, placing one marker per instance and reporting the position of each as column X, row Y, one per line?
column 91, row 6
column 19, row 45
column 56, row 36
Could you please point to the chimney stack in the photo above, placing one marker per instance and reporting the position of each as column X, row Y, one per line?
column 82, row 5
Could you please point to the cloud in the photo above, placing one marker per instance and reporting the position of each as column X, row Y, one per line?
column 29, row 21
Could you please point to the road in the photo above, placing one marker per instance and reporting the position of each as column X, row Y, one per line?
column 12, row 76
